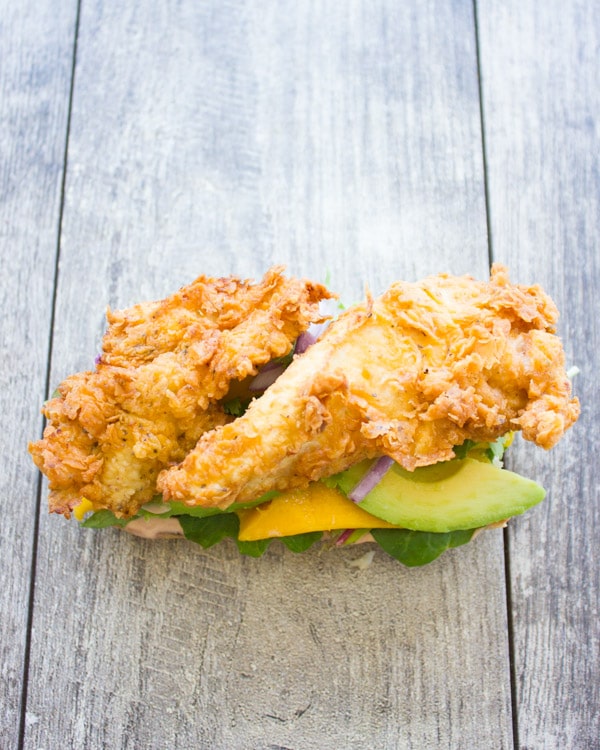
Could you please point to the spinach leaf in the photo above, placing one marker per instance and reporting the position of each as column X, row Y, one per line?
column 237, row 406
column 413, row 548
column 461, row 451
column 210, row 530
column 102, row 519
column 213, row 529
column 301, row 542
column 253, row 549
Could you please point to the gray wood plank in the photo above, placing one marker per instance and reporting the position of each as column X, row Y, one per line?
column 219, row 138
column 540, row 70
column 36, row 40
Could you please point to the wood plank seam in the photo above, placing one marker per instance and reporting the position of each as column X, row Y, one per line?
column 40, row 482
column 511, row 639
column 486, row 186
column 507, row 571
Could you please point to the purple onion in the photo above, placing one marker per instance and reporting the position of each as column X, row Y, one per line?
column 343, row 537
column 371, row 479
column 273, row 369
column 266, row 377
column 274, row 364
column 304, row 341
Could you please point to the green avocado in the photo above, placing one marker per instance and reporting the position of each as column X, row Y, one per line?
column 459, row 494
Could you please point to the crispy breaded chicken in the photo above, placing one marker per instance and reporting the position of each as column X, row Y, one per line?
column 164, row 368
column 410, row 375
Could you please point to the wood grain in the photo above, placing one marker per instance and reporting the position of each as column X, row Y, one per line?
column 36, row 40
column 540, row 71
column 219, row 138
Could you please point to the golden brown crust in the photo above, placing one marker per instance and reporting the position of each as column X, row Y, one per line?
column 410, row 375
column 156, row 388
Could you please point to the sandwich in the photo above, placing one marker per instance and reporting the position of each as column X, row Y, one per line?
column 239, row 409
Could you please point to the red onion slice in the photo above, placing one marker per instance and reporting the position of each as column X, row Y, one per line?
column 274, row 364
column 304, row 341
column 266, row 377
column 343, row 537
column 371, row 479
column 273, row 369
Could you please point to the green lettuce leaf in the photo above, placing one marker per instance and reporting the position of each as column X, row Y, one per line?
column 414, row 548
column 495, row 450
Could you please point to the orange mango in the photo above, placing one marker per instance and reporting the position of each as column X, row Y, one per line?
column 314, row 508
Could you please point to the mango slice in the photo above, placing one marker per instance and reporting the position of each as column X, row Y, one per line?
column 314, row 508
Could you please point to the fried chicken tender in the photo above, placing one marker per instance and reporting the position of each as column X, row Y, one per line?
column 164, row 369
column 409, row 375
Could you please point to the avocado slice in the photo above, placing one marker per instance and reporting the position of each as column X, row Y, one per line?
column 458, row 494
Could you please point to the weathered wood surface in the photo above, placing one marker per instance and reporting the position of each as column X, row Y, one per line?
column 542, row 127
column 36, row 52
column 221, row 138
column 224, row 140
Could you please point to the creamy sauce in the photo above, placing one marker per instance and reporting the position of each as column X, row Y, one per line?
column 155, row 528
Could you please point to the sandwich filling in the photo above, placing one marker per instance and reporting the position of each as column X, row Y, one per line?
column 221, row 408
